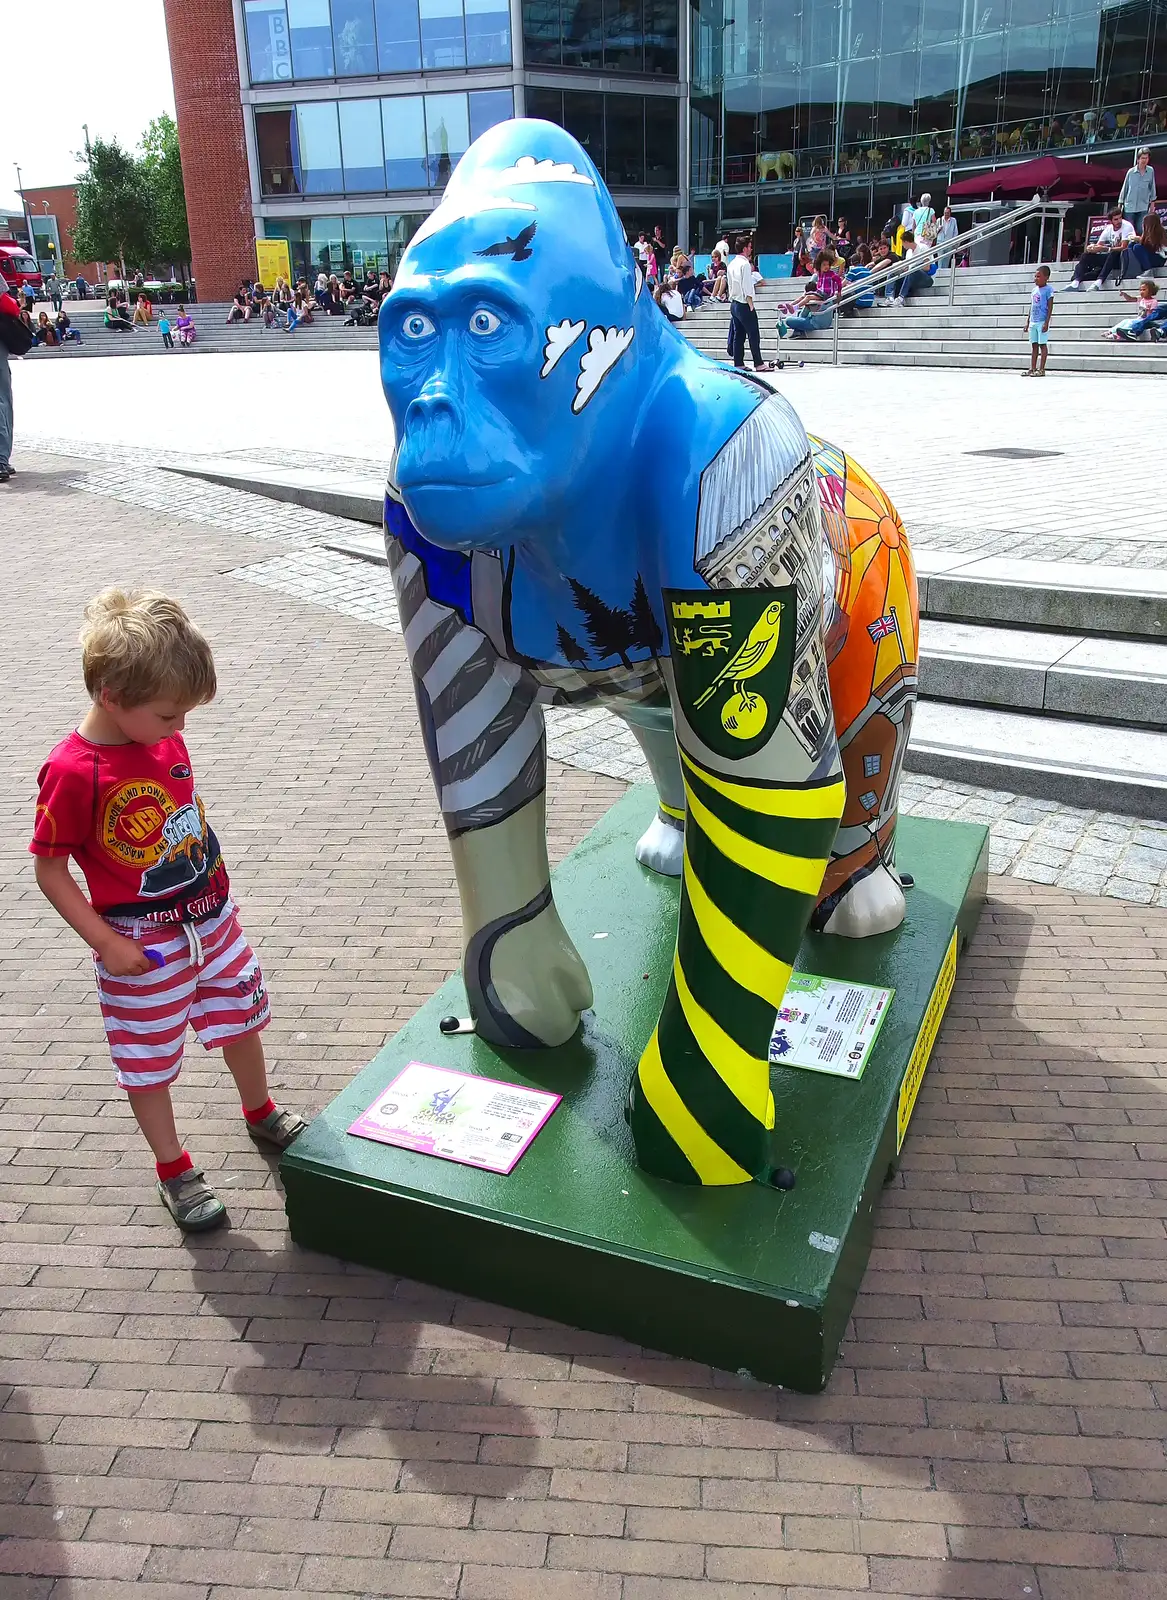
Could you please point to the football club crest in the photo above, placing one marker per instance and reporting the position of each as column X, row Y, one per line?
column 733, row 656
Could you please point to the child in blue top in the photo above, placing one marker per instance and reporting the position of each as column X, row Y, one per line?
column 1041, row 308
column 164, row 330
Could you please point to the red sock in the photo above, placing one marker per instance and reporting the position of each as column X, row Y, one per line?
column 171, row 1169
column 265, row 1110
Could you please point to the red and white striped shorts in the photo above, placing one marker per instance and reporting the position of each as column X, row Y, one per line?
column 211, row 979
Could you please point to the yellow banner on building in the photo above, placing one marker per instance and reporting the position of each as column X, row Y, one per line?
column 272, row 260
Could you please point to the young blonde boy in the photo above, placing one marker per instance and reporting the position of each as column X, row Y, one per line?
column 119, row 797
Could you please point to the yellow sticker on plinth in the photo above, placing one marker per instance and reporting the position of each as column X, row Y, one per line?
column 925, row 1039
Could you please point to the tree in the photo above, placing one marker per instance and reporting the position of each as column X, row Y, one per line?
column 570, row 648
column 162, row 168
column 608, row 628
column 645, row 628
column 115, row 212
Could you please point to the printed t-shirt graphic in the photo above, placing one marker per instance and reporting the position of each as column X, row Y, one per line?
column 131, row 818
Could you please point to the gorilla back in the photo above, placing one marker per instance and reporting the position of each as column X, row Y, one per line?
column 583, row 508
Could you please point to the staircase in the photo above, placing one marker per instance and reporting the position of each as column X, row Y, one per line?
column 985, row 328
column 1044, row 678
column 213, row 335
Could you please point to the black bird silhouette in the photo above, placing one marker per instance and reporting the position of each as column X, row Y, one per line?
column 516, row 248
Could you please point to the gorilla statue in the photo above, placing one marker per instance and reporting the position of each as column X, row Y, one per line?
column 583, row 508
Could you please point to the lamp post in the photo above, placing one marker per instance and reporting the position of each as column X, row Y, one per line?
column 24, row 210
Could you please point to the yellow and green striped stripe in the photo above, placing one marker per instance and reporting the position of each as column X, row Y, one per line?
column 755, row 855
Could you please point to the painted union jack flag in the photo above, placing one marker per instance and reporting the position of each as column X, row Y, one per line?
column 881, row 628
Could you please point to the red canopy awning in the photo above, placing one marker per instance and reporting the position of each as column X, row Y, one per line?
column 1055, row 176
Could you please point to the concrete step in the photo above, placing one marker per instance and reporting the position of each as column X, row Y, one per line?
column 1068, row 597
column 1097, row 679
column 1051, row 758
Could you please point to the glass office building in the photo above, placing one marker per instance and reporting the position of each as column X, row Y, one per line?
column 850, row 106
column 357, row 111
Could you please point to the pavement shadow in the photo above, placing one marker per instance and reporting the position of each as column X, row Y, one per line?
column 32, row 1550
column 345, row 1361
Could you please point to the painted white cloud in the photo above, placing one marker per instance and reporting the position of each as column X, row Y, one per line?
column 559, row 340
column 605, row 347
column 639, row 283
column 527, row 170
column 457, row 207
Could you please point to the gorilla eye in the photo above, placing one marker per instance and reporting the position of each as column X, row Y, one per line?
column 483, row 322
column 417, row 326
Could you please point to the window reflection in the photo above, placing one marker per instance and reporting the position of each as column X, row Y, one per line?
column 360, row 141
column 305, row 39
column 398, row 36
column 269, row 48
column 447, row 134
column 618, row 35
column 403, row 121
column 332, row 244
column 838, row 87
column 354, row 38
column 316, row 149
column 488, row 106
column 311, row 32
column 443, row 39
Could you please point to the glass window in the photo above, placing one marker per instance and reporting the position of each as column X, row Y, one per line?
column 354, row 38
column 488, row 33
column 273, row 138
column 488, row 106
column 269, row 50
column 403, row 122
column 541, row 33
column 401, row 228
column 311, row 38
column 624, row 140
column 365, row 247
column 660, row 142
column 660, row 37
column 326, row 244
column 318, row 137
column 443, row 42
column 583, row 116
column 546, row 104
column 582, row 31
column 623, row 36
column 398, row 36
column 360, row 144
column 447, row 131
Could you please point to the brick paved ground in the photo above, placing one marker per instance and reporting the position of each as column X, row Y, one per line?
column 236, row 1419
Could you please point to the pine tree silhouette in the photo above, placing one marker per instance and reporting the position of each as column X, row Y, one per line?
column 570, row 648
column 608, row 628
column 645, row 629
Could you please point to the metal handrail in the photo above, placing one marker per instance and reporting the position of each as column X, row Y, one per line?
column 1006, row 221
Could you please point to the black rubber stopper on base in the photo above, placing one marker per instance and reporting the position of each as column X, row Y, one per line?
column 782, row 1178
column 907, row 881
column 449, row 1025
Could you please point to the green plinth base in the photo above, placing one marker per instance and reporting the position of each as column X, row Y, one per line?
column 743, row 1278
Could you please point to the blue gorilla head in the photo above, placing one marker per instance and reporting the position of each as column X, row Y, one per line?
column 515, row 344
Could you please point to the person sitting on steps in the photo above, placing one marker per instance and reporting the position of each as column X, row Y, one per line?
column 1105, row 255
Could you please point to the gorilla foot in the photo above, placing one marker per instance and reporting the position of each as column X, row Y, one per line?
column 873, row 905
column 527, row 983
column 661, row 848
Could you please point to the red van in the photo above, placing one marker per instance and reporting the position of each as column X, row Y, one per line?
column 17, row 267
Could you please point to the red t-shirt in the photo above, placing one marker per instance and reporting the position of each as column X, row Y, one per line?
column 131, row 818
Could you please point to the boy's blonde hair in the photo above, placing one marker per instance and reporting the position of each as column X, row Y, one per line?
column 140, row 645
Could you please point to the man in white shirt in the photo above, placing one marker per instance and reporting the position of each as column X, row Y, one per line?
column 1105, row 254
column 743, row 317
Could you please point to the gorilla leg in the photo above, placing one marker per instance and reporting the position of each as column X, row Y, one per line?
column 661, row 847
column 487, row 749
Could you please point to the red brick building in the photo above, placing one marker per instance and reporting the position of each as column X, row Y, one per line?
column 205, row 68
column 54, row 216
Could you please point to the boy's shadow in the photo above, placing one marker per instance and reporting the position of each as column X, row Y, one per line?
column 343, row 1361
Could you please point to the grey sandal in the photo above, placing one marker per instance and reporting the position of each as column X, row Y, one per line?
column 278, row 1129
column 192, row 1202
